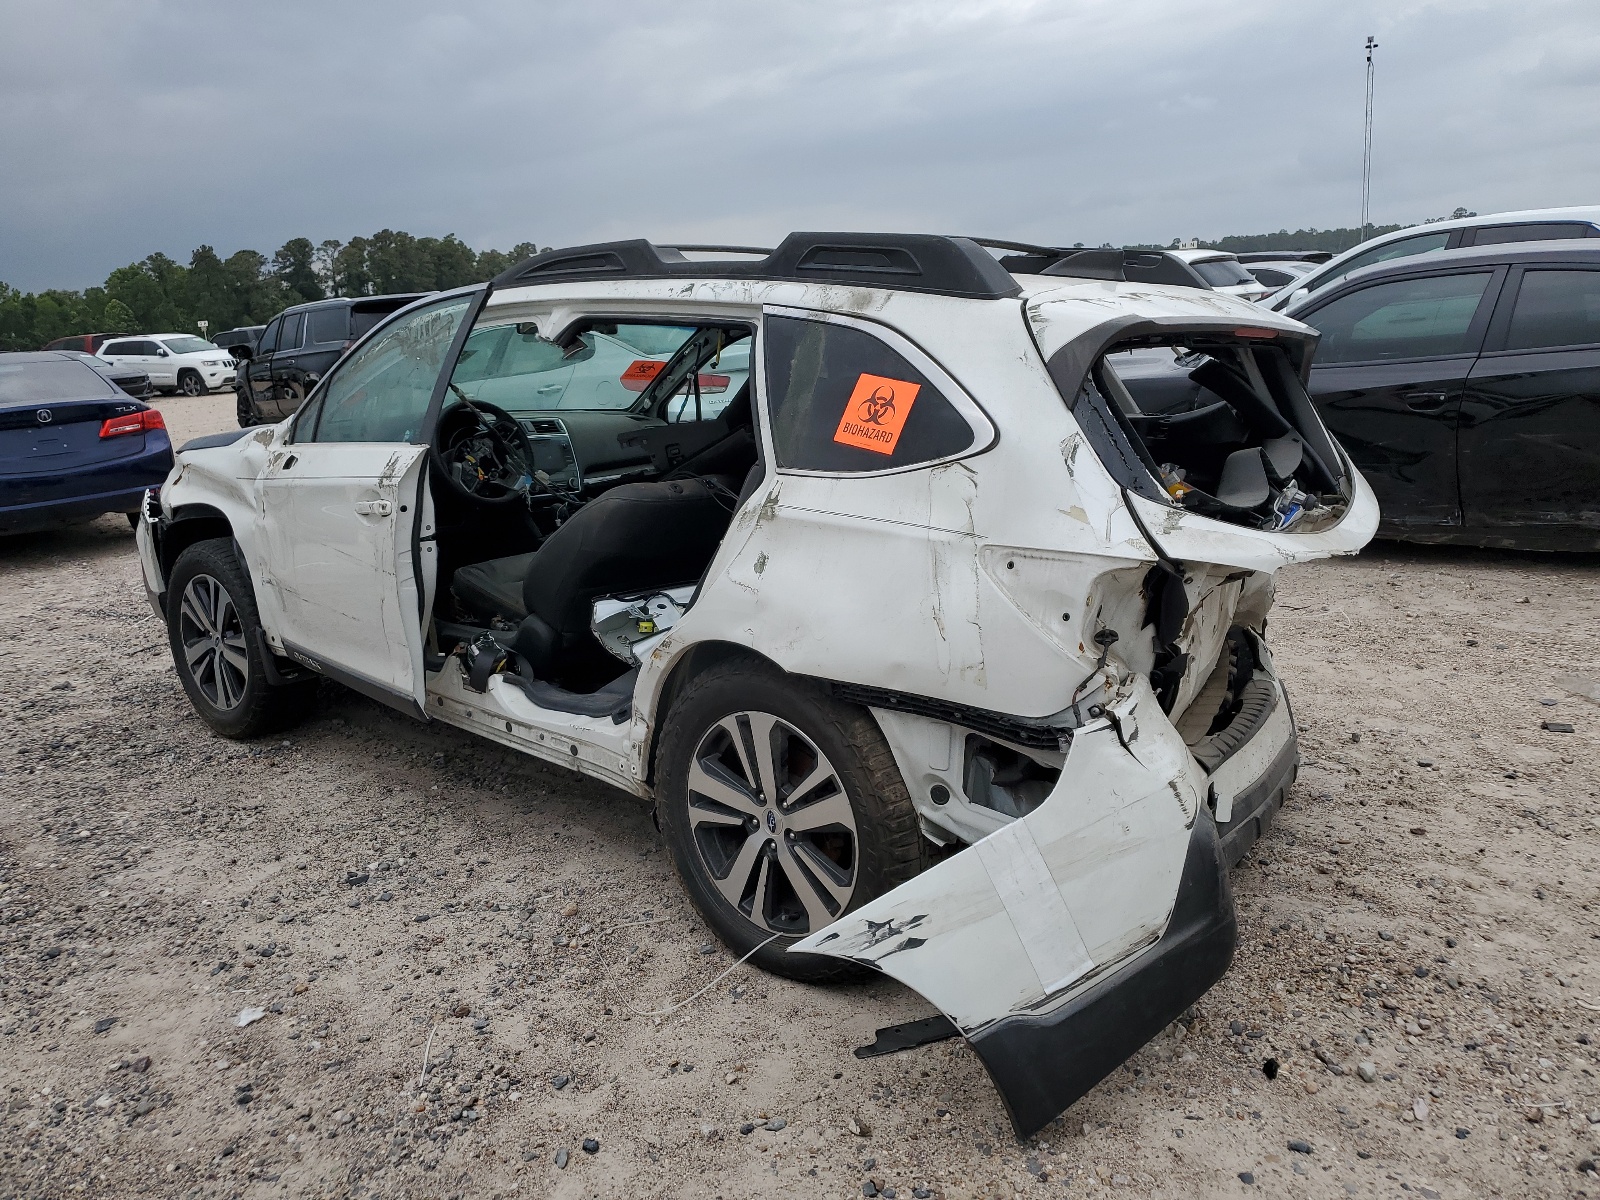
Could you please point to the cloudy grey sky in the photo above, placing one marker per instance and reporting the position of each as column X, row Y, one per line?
column 139, row 125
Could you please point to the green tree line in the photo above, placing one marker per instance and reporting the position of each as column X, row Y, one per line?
column 246, row 288
column 1335, row 240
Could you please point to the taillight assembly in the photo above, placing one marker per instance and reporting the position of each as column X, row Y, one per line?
column 134, row 422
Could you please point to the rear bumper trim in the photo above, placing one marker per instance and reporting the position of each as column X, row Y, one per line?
column 45, row 514
column 1256, row 806
column 1043, row 1063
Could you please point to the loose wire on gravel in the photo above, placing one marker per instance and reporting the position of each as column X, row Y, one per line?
column 667, row 1012
column 427, row 1053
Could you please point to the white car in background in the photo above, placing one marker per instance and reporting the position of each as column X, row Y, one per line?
column 1492, row 229
column 175, row 362
column 1275, row 272
column 1223, row 272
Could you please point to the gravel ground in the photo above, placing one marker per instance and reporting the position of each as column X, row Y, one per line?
column 222, row 965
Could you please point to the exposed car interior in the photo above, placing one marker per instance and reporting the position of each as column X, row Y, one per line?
column 1223, row 426
column 605, row 469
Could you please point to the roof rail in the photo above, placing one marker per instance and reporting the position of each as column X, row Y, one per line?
column 1090, row 264
column 904, row 262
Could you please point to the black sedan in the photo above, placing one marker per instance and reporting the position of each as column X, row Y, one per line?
column 1465, row 384
column 73, row 445
column 130, row 379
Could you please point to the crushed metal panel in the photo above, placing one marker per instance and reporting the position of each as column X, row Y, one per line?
column 982, row 936
column 1033, row 902
column 1043, row 1062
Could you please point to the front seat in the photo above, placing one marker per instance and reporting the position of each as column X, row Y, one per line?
column 631, row 538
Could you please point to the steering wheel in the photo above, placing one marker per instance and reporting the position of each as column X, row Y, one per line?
column 483, row 454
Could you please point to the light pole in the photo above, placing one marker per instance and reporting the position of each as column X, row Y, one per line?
column 1366, row 154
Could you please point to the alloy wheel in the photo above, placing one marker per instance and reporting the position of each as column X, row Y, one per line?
column 192, row 385
column 772, row 824
column 212, row 634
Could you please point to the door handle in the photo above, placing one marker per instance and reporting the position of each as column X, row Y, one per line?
column 548, row 388
column 1424, row 399
column 374, row 508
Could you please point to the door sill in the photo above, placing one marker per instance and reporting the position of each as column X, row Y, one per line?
column 591, row 745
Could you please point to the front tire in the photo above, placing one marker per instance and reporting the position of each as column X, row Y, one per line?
column 214, row 631
column 783, row 810
column 244, row 411
column 191, row 384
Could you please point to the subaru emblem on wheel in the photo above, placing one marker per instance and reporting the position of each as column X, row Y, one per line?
column 772, row 822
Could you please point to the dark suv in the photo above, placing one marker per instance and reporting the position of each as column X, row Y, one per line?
column 246, row 335
column 1466, row 386
column 84, row 343
column 297, row 348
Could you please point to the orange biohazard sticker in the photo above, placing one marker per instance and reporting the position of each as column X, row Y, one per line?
column 639, row 374
column 876, row 413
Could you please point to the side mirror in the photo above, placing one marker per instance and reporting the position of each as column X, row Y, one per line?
column 241, row 352
column 162, row 354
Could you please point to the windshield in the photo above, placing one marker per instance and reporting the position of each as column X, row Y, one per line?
column 189, row 345
column 1223, row 272
column 605, row 368
column 32, row 383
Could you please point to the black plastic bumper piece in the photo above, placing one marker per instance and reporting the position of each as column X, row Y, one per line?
column 1043, row 1063
column 908, row 1036
column 1254, row 809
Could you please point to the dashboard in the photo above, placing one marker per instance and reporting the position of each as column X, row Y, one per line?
column 585, row 449
column 580, row 449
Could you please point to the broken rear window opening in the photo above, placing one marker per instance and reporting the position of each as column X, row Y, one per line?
column 1222, row 272
column 1217, row 423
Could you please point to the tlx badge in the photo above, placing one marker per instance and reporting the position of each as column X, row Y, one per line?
column 876, row 413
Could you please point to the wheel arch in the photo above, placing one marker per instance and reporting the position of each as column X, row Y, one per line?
column 191, row 523
column 690, row 664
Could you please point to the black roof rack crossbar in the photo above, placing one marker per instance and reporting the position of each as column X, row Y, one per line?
column 1310, row 256
column 1130, row 266
column 907, row 262
column 763, row 250
column 1077, row 262
column 1022, row 247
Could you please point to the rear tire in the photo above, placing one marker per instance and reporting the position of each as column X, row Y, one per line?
column 191, row 384
column 841, row 829
column 215, row 635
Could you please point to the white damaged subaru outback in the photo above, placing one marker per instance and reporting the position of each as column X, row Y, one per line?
column 938, row 648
